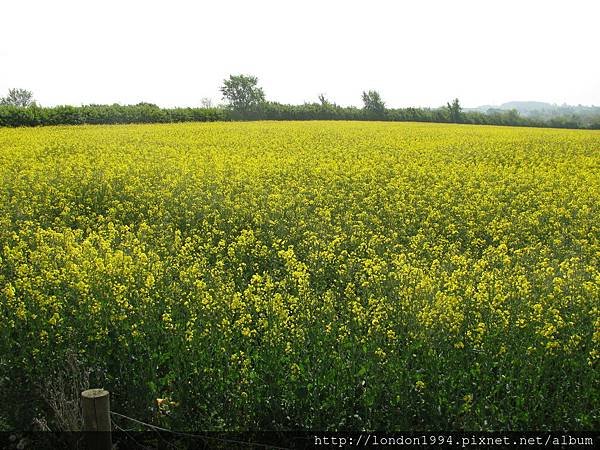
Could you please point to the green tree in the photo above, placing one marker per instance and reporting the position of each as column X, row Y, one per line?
column 455, row 111
column 242, row 92
column 18, row 97
column 372, row 103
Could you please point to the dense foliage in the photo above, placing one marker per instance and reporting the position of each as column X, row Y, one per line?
column 12, row 116
column 322, row 275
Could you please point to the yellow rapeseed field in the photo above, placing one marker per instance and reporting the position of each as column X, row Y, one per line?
column 323, row 275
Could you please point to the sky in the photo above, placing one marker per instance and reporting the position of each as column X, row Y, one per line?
column 415, row 53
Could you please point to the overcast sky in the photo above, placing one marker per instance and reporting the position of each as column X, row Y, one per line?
column 415, row 53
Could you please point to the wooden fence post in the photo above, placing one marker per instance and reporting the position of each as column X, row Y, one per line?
column 96, row 419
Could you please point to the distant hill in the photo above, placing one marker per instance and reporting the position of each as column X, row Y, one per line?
column 539, row 109
column 527, row 106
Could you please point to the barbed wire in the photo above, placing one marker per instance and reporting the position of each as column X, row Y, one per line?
column 127, row 433
column 192, row 435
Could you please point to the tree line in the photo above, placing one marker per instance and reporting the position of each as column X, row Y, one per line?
column 245, row 100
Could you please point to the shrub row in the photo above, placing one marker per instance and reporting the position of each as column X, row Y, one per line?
column 12, row 116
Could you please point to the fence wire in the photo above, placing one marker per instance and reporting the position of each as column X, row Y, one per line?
column 201, row 437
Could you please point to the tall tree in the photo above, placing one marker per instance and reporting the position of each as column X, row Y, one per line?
column 455, row 111
column 18, row 97
column 323, row 101
column 372, row 103
column 206, row 102
column 242, row 92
